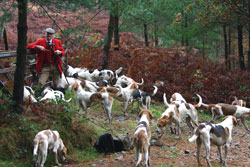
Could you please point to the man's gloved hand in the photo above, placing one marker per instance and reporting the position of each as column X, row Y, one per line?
column 58, row 52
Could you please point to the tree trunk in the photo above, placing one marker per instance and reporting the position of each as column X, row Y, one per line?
column 107, row 42
column 116, row 32
column 186, row 38
column 5, row 39
column 21, row 55
column 240, row 47
column 2, row 24
column 225, row 44
column 229, row 45
column 203, row 47
column 248, row 52
column 229, row 39
column 156, row 35
column 146, row 34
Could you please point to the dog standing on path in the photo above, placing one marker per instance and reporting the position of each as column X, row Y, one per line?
column 44, row 141
column 142, row 137
column 218, row 134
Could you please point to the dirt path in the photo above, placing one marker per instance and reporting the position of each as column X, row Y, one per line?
column 178, row 152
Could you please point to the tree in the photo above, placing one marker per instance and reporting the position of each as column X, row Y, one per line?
column 21, row 54
column 107, row 41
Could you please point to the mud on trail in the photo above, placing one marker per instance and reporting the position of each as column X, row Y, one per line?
column 174, row 152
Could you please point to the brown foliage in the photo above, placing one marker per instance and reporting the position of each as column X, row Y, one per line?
column 181, row 69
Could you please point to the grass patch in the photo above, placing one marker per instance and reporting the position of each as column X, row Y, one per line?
column 174, row 155
column 168, row 149
column 204, row 117
column 165, row 165
column 89, row 154
column 157, row 109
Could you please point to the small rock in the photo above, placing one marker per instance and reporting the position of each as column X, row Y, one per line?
column 182, row 164
column 187, row 152
column 237, row 144
column 156, row 143
column 123, row 152
column 93, row 165
column 119, row 158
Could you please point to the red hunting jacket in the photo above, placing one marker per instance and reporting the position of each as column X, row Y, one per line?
column 41, row 54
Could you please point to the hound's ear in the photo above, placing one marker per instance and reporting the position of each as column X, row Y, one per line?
column 75, row 86
column 140, row 114
column 82, row 83
column 171, row 114
column 150, row 115
column 133, row 86
column 234, row 121
column 165, row 117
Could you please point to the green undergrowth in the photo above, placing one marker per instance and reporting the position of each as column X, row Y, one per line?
column 17, row 131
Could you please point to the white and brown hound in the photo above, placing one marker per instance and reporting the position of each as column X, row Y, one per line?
column 241, row 103
column 44, row 141
column 87, row 99
column 125, row 94
column 28, row 94
column 71, row 71
column 142, row 137
column 218, row 134
column 97, row 74
column 143, row 97
column 124, row 81
column 177, row 97
column 53, row 95
column 222, row 109
column 175, row 113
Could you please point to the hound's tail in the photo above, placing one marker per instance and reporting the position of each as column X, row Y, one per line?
column 196, row 133
column 155, row 91
column 193, row 138
column 68, row 100
column 142, row 81
column 199, row 103
column 165, row 100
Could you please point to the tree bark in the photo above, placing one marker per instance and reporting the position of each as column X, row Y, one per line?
column 186, row 38
column 5, row 39
column 107, row 42
column 240, row 47
column 225, row 44
column 248, row 52
column 146, row 34
column 203, row 47
column 156, row 35
column 2, row 25
column 229, row 39
column 116, row 32
column 229, row 45
column 21, row 55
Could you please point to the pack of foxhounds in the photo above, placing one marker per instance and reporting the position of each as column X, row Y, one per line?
column 102, row 86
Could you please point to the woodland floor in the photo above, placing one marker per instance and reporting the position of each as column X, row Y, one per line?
column 172, row 153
